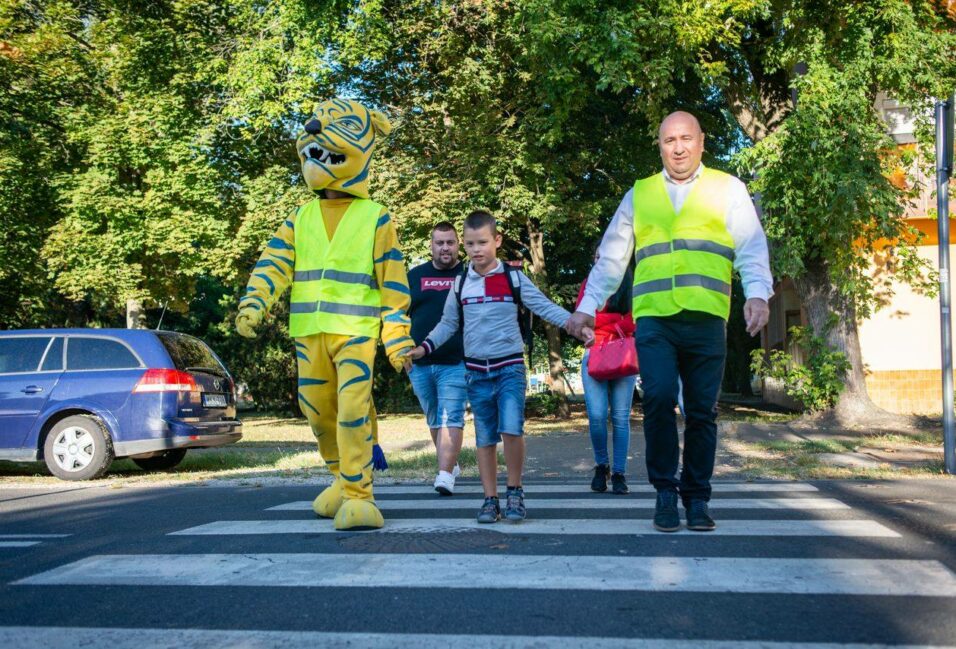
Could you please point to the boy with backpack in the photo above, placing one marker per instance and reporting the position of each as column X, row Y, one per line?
column 486, row 304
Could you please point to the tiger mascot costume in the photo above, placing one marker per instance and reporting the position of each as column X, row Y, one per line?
column 340, row 253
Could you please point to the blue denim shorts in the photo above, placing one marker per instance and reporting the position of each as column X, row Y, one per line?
column 497, row 401
column 441, row 392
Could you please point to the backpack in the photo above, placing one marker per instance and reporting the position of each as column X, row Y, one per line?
column 525, row 317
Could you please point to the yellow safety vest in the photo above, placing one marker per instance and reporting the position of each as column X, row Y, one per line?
column 334, row 289
column 684, row 261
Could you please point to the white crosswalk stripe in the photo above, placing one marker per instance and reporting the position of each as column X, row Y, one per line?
column 72, row 637
column 587, row 503
column 564, row 526
column 26, row 540
column 899, row 577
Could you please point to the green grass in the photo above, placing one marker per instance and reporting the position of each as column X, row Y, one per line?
column 803, row 460
column 808, row 467
column 810, row 446
column 919, row 438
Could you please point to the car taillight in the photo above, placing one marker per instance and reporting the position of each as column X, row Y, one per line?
column 166, row 380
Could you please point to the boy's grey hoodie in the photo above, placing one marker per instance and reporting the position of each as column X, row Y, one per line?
column 491, row 317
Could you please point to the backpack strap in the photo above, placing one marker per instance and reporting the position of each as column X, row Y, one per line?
column 514, row 284
column 456, row 287
column 524, row 315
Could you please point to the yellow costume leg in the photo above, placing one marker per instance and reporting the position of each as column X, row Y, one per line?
column 317, row 399
column 354, row 358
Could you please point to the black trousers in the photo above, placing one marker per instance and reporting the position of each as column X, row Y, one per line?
column 692, row 346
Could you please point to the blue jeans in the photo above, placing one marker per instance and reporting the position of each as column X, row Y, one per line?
column 441, row 392
column 497, row 401
column 598, row 397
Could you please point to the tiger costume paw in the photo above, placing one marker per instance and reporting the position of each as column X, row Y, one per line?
column 358, row 515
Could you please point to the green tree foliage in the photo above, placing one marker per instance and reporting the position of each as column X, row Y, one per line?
column 41, row 70
column 149, row 132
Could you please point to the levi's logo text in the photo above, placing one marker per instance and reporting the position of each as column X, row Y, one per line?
column 437, row 283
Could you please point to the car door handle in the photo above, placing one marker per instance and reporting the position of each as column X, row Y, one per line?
column 32, row 389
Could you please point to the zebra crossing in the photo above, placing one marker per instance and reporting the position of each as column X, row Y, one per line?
column 574, row 547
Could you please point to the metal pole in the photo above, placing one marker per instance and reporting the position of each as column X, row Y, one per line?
column 945, row 317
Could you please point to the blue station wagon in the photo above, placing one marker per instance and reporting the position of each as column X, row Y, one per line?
column 78, row 398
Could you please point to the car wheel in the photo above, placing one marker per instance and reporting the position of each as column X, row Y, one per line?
column 78, row 448
column 162, row 462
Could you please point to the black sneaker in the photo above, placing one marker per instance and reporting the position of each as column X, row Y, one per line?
column 514, row 509
column 601, row 473
column 619, row 484
column 698, row 517
column 490, row 511
column 666, row 518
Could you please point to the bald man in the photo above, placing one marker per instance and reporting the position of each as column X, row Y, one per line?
column 688, row 227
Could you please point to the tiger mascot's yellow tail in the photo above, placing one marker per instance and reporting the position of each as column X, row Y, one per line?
column 341, row 256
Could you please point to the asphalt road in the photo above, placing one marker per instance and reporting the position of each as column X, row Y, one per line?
column 828, row 563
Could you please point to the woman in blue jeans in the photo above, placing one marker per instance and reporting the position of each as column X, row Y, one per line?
column 614, row 396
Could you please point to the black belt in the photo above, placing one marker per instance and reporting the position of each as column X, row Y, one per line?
column 488, row 364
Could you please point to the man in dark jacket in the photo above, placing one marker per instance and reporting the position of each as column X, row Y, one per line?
column 439, row 379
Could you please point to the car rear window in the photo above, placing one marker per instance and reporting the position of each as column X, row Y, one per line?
column 191, row 354
column 98, row 354
column 22, row 354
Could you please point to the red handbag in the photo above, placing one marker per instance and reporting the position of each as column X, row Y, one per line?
column 614, row 358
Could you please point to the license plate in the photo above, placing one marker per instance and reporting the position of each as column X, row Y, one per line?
column 214, row 400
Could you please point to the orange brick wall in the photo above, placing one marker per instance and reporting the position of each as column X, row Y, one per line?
column 906, row 391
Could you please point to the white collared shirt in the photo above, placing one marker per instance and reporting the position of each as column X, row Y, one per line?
column 751, row 257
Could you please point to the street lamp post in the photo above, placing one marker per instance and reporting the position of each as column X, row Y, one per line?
column 944, row 169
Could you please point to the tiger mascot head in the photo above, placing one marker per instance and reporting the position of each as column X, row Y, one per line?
column 336, row 145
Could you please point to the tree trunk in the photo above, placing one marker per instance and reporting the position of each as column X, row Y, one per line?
column 555, row 362
column 832, row 316
column 556, row 369
column 135, row 314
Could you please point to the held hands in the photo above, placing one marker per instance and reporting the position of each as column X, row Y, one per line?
column 414, row 354
column 247, row 321
column 399, row 359
column 581, row 326
column 756, row 315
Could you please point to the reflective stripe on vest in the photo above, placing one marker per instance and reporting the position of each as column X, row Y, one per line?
column 684, row 261
column 337, row 275
column 334, row 289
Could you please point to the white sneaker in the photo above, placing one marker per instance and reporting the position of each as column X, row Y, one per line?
column 445, row 483
column 455, row 471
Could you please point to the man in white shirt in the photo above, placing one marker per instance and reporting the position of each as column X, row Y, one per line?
column 688, row 228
